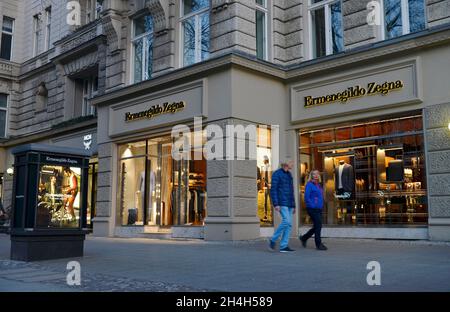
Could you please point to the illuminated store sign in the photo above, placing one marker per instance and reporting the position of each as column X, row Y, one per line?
column 156, row 110
column 372, row 88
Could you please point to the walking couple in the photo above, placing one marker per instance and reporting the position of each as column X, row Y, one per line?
column 282, row 194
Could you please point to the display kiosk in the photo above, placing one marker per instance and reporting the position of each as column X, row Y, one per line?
column 49, row 202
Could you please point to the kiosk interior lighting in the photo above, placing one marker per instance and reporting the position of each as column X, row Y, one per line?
column 449, row 126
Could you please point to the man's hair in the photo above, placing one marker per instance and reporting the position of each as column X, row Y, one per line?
column 285, row 162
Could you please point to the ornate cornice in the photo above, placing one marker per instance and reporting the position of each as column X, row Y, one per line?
column 219, row 5
column 159, row 15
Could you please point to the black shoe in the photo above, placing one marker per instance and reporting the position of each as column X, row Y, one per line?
column 271, row 245
column 287, row 249
column 303, row 241
column 322, row 247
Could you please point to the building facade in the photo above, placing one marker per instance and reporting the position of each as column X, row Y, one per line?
column 354, row 87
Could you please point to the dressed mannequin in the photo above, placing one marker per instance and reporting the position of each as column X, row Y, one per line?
column 265, row 176
column 344, row 179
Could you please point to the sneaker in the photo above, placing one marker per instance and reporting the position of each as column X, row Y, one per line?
column 271, row 245
column 287, row 249
column 303, row 241
column 322, row 247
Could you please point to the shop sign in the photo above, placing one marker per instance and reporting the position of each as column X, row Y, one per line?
column 156, row 110
column 60, row 160
column 350, row 93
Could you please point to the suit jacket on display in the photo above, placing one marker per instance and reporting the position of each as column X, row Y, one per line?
column 348, row 178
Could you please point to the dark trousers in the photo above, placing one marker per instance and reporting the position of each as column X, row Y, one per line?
column 316, row 216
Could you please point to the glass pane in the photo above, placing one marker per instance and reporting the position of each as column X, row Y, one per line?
column 205, row 33
column 2, row 123
column 318, row 24
column 393, row 17
column 5, row 52
column 138, row 59
column 143, row 25
column 132, row 149
column 149, row 57
column 337, row 27
column 189, row 41
column 59, row 197
column 416, row 15
column 8, row 24
column 264, row 176
column 131, row 191
column 260, row 34
column 3, row 100
column 194, row 5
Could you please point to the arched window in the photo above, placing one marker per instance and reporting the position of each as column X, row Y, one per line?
column 195, row 31
column 142, row 48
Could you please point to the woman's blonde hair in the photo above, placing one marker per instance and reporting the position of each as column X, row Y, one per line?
column 310, row 176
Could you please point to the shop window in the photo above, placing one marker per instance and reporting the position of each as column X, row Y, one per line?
column 6, row 43
column 264, row 175
column 155, row 189
column 142, row 43
column 402, row 17
column 59, row 197
column 375, row 178
column 3, row 114
column 195, row 31
column 92, row 192
column 261, row 29
column 326, row 27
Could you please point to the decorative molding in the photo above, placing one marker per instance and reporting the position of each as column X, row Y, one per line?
column 112, row 26
column 79, row 40
column 81, row 64
column 219, row 5
column 159, row 15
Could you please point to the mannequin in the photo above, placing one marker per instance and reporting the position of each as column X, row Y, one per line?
column 344, row 179
column 265, row 176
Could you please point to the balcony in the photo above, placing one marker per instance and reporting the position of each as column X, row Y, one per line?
column 8, row 69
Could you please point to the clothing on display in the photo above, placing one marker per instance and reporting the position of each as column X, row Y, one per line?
column 344, row 180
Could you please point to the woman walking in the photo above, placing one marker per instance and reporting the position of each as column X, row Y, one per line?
column 314, row 206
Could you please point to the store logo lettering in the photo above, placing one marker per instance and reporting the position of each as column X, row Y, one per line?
column 61, row 160
column 372, row 88
column 156, row 110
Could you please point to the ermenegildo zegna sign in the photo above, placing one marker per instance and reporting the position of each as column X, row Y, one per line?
column 351, row 92
column 158, row 109
column 372, row 88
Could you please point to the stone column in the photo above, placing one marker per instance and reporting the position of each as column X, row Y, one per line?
column 437, row 143
column 104, row 220
column 233, row 27
column 232, row 197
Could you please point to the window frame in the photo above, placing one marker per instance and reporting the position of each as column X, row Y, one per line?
column 197, row 43
column 9, row 33
column 48, row 25
column 326, row 4
column 265, row 10
column 406, row 26
column 36, row 34
column 134, row 39
column 5, row 109
column 88, row 93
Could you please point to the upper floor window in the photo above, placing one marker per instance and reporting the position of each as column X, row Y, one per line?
column 90, row 89
column 326, row 27
column 36, row 34
column 261, row 29
column 142, row 48
column 402, row 17
column 195, row 31
column 48, row 23
column 6, row 42
column 93, row 10
column 3, row 114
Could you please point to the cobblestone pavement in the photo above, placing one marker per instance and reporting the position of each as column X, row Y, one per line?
column 156, row 265
column 48, row 277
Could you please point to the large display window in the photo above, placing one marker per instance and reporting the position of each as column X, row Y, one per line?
column 58, row 203
column 373, row 173
column 264, row 175
column 155, row 189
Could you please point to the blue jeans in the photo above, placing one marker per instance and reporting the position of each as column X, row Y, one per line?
column 284, row 229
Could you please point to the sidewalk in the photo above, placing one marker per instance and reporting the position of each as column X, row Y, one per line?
column 116, row 264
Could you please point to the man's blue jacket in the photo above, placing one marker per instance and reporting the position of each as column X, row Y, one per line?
column 282, row 189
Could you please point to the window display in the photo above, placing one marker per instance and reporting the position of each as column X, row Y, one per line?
column 373, row 173
column 264, row 175
column 156, row 189
column 58, row 197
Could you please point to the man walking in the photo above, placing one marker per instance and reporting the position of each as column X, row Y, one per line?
column 282, row 194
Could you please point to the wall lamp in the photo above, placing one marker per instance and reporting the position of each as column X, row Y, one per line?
column 10, row 171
